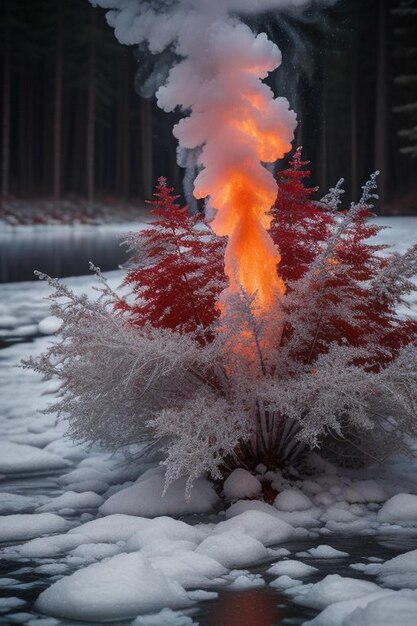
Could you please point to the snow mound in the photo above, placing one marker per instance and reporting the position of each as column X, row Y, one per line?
column 284, row 582
column 16, row 458
column 335, row 588
column 324, row 552
column 73, row 500
column 233, row 549
column 292, row 500
column 49, row 325
column 166, row 617
column 399, row 608
column 400, row 509
column 247, row 581
column 15, row 503
column 364, row 491
column 293, row 569
column 24, row 526
column 111, row 529
column 167, row 528
column 335, row 614
column 241, row 484
column 400, row 572
column 145, row 498
column 267, row 529
column 124, row 586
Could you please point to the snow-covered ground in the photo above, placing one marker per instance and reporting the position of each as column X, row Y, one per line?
column 89, row 538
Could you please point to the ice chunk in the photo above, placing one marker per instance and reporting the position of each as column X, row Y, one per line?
column 400, row 509
column 17, row 458
column 335, row 588
column 190, row 570
column 233, row 549
column 294, row 569
column 292, row 500
column 124, row 586
column 399, row 572
column 95, row 551
column 267, row 529
column 73, row 500
column 24, row 526
column 145, row 498
column 398, row 608
column 241, row 484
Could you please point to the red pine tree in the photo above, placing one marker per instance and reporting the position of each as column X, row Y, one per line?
column 299, row 224
column 177, row 270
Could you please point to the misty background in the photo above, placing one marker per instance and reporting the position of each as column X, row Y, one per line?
column 79, row 122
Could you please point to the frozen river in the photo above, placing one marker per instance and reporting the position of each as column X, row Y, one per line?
column 52, row 489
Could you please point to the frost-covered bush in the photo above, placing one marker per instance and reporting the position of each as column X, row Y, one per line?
column 340, row 372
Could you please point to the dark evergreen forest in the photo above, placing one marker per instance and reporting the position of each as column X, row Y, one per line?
column 73, row 124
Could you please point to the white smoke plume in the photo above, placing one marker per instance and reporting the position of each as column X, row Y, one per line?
column 230, row 115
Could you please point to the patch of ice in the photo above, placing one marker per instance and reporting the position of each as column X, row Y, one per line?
column 24, row 526
column 124, row 586
column 17, row 458
column 241, row 484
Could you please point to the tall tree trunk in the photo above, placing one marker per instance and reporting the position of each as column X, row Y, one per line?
column 123, row 127
column 91, row 110
column 7, row 64
column 58, row 104
column 146, row 147
column 381, row 102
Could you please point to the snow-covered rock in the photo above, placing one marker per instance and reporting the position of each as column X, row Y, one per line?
column 233, row 549
column 166, row 617
column 399, row 572
column 248, row 581
column 323, row 552
column 15, row 503
column 145, row 498
column 124, row 586
column 266, row 528
column 18, row 458
column 400, row 509
column 284, row 582
column 49, row 325
column 241, row 484
column 336, row 613
column 398, row 608
column 24, row 526
column 292, row 500
column 364, row 491
column 73, row 500
column 335, row 588
column 291, row 568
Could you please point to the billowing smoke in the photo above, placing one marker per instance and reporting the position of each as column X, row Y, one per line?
column 231, row 120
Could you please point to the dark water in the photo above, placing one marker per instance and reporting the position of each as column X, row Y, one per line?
column 59, row 250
